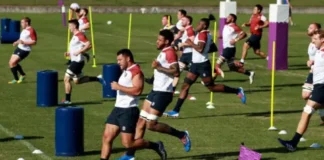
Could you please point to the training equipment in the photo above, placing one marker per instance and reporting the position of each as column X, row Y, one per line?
column 47, row 88
column 63, row 11
column 302, row 139
column 19, row 137
column 282, row 132
column 315, row 145
column 94, row 65
column 110, row 73
column 272, row 127
column 248, row 154
column 37, row 151
column 74, row 6
column 225, row 8
column 192, row 98
column 278, row 32
column 129, row 31
column 68, row 35
column 69, row 131
column 20, row 159
column 109, row 22
column 10, row 30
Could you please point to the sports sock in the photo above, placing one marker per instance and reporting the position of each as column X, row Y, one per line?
column 14, row 72
column 178, row 105
column 296, row 139
column 20, row 70
column 68, row 97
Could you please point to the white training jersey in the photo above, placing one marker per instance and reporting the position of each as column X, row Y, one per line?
column 162, row 81
column 318, row 67
column 188, row 32
column 230, row 32
column 179, row 25
column 82, row 21
column 311, row 51
column 124, row 100
column 76, row 44
column 202, row 36
column 26, row 35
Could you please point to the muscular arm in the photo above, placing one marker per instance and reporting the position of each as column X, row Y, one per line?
column 32, row 42
column 199, row 48
column 173, row 70
column 241, row 36
column 86, row 26
column 86, row 47
column 265, row 25
column 138, row 86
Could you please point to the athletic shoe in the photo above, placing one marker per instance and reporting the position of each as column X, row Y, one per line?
column 251, row 77
column 12, row 82
column 21, row 79
column 186, row 142
column 126, row 157
column 65, row 102
column 162, row 152
column 287, row 145
column 101, row 80
column 241, row 95
column 172, row 114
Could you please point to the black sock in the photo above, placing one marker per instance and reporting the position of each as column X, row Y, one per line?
column 177, row 133
column 174, row 88
column 230, row 90
column 296, row 139
column 103, row 158
column 153, row 145
column 93, row 79
column 20, row 70
column 14, row 72
column 68, row 97
column 131, row 151
column 248, row 73
column 178, row 105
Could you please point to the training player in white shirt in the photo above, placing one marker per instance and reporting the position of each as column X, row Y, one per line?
column 316, row 101
column 165, row 69
column 201, row 67
column 83, row 20
column 231, row 35
column 79, row 44
column 125, row 114
column 24, row 44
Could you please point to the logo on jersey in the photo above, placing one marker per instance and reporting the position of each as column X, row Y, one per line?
column 123, row 128
column 153, row 103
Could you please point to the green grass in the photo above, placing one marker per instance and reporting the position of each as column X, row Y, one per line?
column 216, row 134
column 157, row 2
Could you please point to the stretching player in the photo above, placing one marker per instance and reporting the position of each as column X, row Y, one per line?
column 79, row 44
column 232, row 34
column 201, row 67
column 165, row 69
column 27, row 39
column 316, row 101
column 124, row 116
column 308, row 85
column 257, row 22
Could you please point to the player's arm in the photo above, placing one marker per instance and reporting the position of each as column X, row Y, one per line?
column 247, row 24
column 138, row 86
column 173, row 70
column 265, row 21
column 198, row 47
column 310, row 63
column 86, row 26
column 86, row 47
column 179, row 35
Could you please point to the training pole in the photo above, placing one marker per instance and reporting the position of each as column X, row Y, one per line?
column 94, row 65
column 68, row 36
column 210, row 104
column 129, row 30
column 169, row 22
column 272, row 127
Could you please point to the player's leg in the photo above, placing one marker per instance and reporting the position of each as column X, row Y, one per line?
column 239, row 67
column 257, row 47
column 308, row 87
column 68, row 88
column 245, row 49
column 13, row 67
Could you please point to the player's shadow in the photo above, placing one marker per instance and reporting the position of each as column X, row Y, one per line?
column 298, row 65
column 283, row 85
column 97, row 152
column 299, row 68
column 74, row 104
column 255, row 114
column 101, row 64
column 215, row 156
column 260, row 90
column 8, row 139
column 60, row 80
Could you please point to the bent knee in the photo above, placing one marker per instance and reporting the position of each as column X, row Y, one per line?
column 127, row 144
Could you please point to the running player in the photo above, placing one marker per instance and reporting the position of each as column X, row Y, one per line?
column 83, row 20
column 257, row 22
column 167, row 23
column 316, row 101
column 74, row 10
column 308, row 85
column 201, row 67
column 79, row 44
column 180, row 15
column 24, row 44
column 124, row 116
column 165, row 69
column 231, row 35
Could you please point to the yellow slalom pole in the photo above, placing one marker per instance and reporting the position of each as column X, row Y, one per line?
column 68, row 35
column 211, row 104
column 169, row 22
column 129, row 30
column 272, row 127
column 94, row 65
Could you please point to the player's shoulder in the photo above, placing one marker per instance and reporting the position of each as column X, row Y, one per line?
column 135, row 69
column 30, row 29
column 168, row 50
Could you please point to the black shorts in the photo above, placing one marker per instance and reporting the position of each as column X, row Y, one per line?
column 309, row 78
column 176, row 43
column 75, row 69
column 21, row 53
column 229, row 53
column 254, row 41
column 124, row 118
column 201, row 69
column 186, row 58
column 318, row 94
column 159, row 100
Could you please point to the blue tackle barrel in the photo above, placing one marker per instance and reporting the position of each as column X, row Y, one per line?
column 69, row 131
column 14, row 26
column 9, row 37
column 111, row 72
column 5, row 23
column 47, row 88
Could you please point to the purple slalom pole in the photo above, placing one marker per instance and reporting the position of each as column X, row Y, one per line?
column 61, row 4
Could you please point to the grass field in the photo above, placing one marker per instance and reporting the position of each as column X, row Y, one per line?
column 157, row 2
column 216, row 134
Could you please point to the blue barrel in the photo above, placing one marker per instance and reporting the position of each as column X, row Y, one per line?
column 47, row 88
column 9, row 37
column 69, row 131
column 14, row 26
column 110, row 73
column 5, row 23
